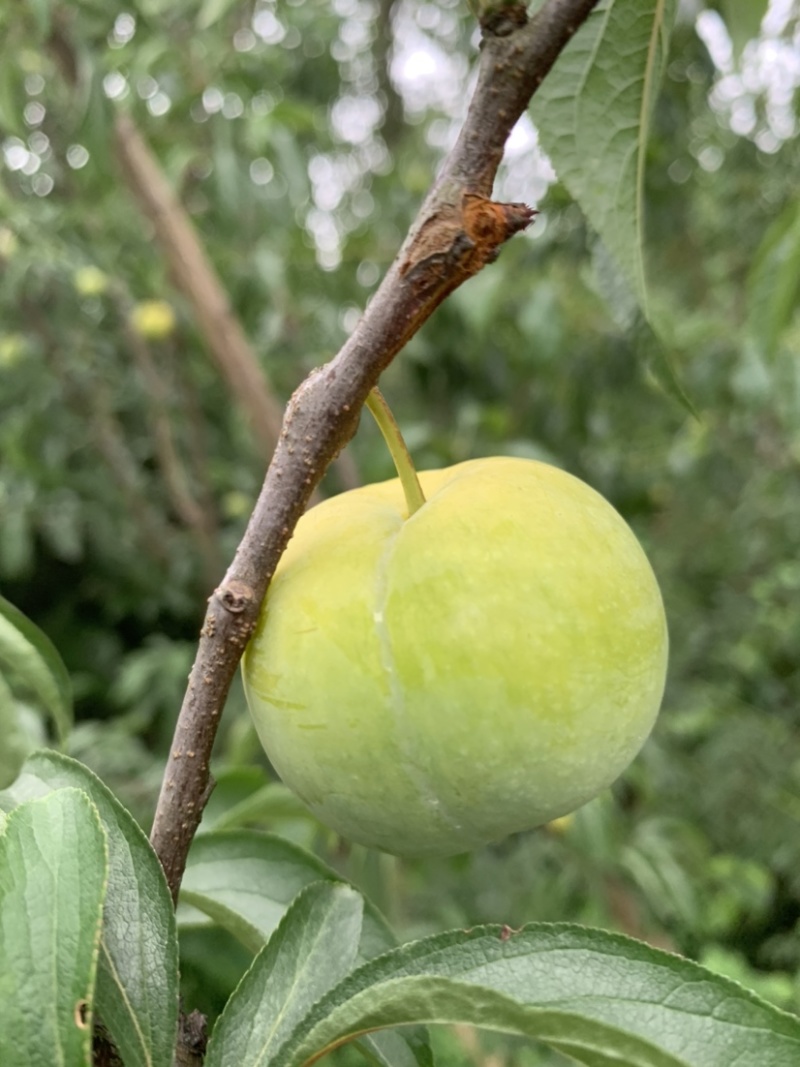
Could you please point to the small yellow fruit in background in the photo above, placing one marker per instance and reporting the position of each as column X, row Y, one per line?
column 430, row 684
column 90, row 281
column 9, row 244
column 153, row 319
column 236, row 504
column 12, row 349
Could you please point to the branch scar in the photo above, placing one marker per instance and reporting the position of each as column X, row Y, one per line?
column 456, row 241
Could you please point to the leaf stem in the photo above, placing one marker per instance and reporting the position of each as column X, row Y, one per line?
column 387, row 424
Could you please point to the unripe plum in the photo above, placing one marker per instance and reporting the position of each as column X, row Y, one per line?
column 430, row 684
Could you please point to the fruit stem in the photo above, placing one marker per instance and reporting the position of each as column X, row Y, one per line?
column 387, row 424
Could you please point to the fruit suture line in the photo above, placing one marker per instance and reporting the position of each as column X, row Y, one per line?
column 399, row 722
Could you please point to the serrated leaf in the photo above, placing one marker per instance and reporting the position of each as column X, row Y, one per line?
column 246, row 879
column 408, row 1047
column 314, row 947
column 53, row 875
column 272, row 801
column 773, row 284
column 653, row 347
column 601, row 998
column 593, row 116
column 33, row 658
column 14, row 748
column 235, row 785
column 137, row 980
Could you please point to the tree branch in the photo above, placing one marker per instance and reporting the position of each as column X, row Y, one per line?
column 457, row 232
column 198, row 281
column 195, row 276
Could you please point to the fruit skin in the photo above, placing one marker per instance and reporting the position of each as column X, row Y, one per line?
column 430, row 685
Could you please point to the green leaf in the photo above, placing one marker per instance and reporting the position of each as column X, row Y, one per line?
column 14, row 748
column 601, row 998
column 773, row 285
column 593, row 116
column 665, row 885
column 244, row 795
column 409, row 1047
column 235, row 785
column 137, row 981
column 34, row 660
column 313, row 948
column 245, row 880
column 653, row 349
column 53, row 872
column 743, row 20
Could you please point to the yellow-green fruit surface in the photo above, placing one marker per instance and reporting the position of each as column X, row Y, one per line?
column 431, row 684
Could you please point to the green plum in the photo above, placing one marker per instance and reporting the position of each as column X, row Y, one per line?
column 432, row 683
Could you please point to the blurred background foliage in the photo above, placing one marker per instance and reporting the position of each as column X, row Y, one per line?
column 299, row 138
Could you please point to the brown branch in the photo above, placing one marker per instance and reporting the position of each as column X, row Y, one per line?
column 195, row 276
column 457, row 232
